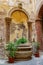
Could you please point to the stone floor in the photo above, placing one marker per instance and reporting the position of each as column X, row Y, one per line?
column 33, row 61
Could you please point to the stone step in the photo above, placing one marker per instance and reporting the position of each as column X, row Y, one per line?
column 23, row 59
column 24, row 48
column 24, row 52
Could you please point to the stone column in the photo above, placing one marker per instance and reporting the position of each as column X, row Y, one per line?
column 8, row 22
column 39, row 32
column 34, row 34
column 29, row 30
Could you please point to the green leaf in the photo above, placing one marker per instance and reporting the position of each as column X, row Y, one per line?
column 12, row 47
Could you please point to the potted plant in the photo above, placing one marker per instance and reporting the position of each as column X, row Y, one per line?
column 12, row 47
column 36, row 47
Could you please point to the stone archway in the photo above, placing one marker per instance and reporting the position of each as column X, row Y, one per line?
column 39, row 27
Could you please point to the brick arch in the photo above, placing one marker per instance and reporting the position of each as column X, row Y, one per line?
column 40, row 12
column 38, row 8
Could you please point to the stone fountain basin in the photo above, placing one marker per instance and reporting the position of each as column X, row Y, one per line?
column 24, row 51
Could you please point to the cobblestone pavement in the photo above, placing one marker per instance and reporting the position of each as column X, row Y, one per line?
column 33, row 61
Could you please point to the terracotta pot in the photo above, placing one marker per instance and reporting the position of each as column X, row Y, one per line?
column 11, row 60
column 37, row 54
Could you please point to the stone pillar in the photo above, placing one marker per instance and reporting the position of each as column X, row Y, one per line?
column 8, row 22
column 34, row 34
column 29, row 30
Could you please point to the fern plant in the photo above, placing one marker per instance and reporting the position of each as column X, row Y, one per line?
column 11, row 47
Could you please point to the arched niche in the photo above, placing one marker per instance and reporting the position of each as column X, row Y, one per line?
column 19, row 16
column 19, row 25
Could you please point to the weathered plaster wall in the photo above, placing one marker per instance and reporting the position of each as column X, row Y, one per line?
column 2, row 37
column 29, row 6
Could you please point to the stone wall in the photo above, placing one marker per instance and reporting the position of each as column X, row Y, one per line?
column 2, row 37
column 18, row 30
column 32, row 7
